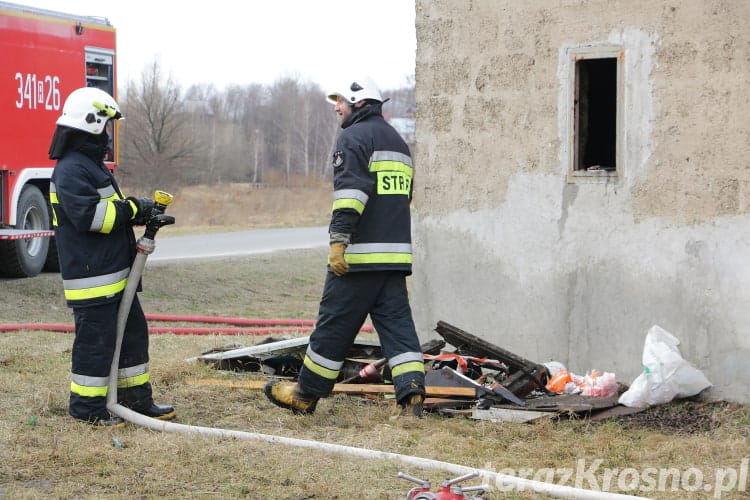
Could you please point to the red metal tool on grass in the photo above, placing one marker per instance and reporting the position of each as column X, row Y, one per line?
column 447, row 490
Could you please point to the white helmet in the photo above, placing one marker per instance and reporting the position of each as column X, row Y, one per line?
column 89, row 109
column 357, row 90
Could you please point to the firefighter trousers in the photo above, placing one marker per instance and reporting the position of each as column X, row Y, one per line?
column 93, row 350
column 344, row 306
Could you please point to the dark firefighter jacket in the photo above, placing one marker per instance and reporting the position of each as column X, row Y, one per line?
column 372, row 181
column 94, row 237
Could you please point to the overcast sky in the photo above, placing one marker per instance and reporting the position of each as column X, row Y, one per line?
column 258, row 41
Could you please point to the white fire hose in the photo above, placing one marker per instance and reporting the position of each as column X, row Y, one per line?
column 145, row 246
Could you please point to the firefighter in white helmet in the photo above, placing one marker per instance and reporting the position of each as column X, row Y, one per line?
column 370, row 257
column 96, row 247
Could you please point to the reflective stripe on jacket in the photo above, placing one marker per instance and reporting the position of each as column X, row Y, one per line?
column 94, row 237
column 373, row 184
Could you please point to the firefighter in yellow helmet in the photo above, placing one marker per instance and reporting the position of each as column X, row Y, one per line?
column 370, row 257
column 96, row 246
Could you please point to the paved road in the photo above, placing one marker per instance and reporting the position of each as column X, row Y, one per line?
column 232, row 244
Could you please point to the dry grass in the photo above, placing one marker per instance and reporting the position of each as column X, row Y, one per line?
column 46, row 454
column 231, row 206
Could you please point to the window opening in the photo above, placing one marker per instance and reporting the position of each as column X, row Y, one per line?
column 99, row 71
column 595, row 112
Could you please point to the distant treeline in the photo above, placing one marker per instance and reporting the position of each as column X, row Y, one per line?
column 245, row 133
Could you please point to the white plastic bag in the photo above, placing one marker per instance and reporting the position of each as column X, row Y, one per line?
column 666, row 375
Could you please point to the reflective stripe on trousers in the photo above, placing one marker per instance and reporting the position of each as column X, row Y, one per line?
column 344, row 306
column 93, row 349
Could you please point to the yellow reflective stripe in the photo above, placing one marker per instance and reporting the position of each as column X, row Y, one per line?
column 97, row 291
column 109, row 218
column 320, row 370
column 378, row 258
column 53, row 200
column 413, row 366
column 133, row 381
column 391, row 166
column 96, row 286
column 133, row 208
column 88, row 391
column 106, row 213
column 352, row 203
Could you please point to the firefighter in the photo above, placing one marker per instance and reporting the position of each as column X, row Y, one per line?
column 96, row 246
column 370, row 257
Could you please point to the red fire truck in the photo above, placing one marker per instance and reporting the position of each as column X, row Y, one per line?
column 44, row 56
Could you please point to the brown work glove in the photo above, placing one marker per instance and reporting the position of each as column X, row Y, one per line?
column 336, row 259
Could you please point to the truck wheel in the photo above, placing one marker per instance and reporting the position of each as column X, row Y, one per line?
column 26, row 258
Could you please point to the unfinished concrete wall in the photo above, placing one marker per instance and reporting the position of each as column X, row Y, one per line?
column 510, row 248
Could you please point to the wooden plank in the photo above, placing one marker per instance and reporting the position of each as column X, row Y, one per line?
column 432, row 391
column 524, row 376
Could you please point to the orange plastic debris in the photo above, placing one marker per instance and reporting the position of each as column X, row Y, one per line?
column 557, row 382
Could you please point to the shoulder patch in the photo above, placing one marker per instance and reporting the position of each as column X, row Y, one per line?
column 338, row 158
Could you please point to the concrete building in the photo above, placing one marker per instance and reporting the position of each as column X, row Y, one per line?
column 582, row 174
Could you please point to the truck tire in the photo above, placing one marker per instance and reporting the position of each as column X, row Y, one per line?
column 26, row 258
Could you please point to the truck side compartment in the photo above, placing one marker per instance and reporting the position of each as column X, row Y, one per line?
column 44, row 56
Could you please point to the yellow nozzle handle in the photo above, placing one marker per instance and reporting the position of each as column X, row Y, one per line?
column 162, row 197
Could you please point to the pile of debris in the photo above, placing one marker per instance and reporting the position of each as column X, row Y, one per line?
column 472, row 377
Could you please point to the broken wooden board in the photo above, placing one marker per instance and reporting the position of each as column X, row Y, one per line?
column 524, row 377
column 568, row 403
column 614, row 412
column 282, row 346
column 437, row 392
column 509, row 415
column 282, row 358
column 439, row 404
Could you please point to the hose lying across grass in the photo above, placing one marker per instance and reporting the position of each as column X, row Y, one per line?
column 252, row 326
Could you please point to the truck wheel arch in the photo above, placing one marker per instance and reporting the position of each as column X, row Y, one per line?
column 26, row 257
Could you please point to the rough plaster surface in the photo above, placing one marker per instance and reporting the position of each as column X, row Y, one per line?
column 508, row 249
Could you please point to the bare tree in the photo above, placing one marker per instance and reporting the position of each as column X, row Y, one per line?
column 402, row 101
column 252, row 110
column 285, row 102
column 244, row 133
column 155, row 134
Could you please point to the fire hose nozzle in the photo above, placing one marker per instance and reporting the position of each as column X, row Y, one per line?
column 158, row 219
column 162, row 197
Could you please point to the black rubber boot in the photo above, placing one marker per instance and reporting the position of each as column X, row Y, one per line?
column 160, row 412
column 104, row 421
column 153, row 410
